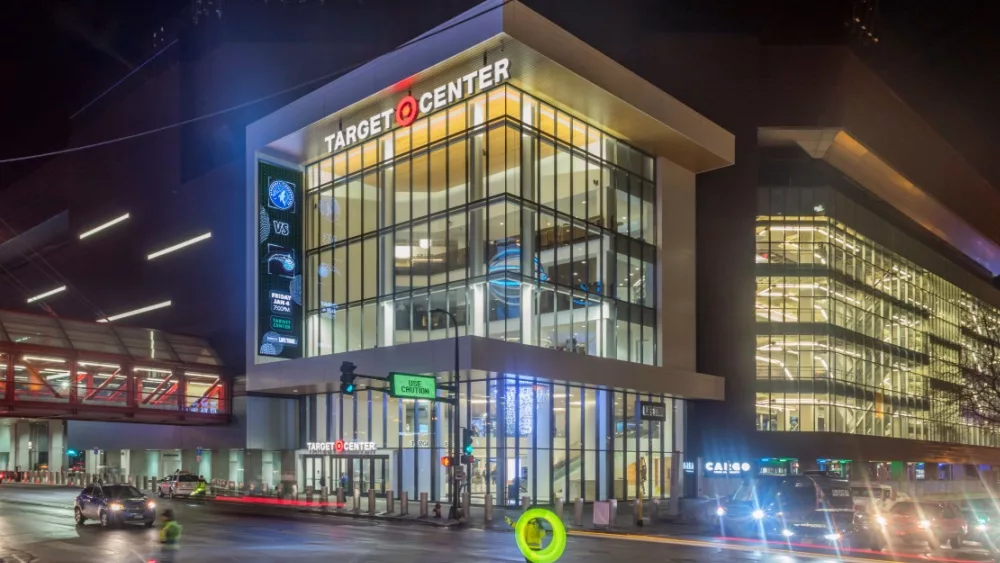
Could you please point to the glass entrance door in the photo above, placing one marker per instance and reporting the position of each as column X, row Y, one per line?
column 361, row 473
column 316, row 473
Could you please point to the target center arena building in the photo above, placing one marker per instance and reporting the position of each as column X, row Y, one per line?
column 500, row 179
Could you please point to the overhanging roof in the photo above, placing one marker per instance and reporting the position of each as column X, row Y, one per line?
column 546, row 61
column 844, row 152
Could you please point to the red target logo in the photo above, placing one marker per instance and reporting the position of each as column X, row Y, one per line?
column 338, row 446
column 406, row 111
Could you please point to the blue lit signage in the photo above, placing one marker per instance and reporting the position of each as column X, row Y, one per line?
column 279, row 231
column 281, row 195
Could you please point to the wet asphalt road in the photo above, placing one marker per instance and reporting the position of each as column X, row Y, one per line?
column 36, row 525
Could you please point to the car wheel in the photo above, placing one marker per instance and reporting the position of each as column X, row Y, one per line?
column 956, row 542
column 149, row 523
column 105, row 521
column 170, row 494
column 159, row 492
column 78, row 516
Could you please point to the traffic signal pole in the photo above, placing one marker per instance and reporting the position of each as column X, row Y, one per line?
column 453, row 485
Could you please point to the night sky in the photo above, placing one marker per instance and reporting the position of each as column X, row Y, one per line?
column 941, row 57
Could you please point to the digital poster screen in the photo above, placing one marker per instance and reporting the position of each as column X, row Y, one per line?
column 279, row 229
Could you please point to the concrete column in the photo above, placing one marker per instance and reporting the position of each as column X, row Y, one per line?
column 220, row 465
column 253, row 465
column 93, row 461
column 7, row 442
column 288, row 465
column 113, row 459
column 205, row 465
column 152, row 467
column 676, row 272
column 188, row 461
column 22, row 440
column 57, row 445
column 138, row 465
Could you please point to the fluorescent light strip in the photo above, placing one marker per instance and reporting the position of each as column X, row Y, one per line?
column 43, row 359
column 179, row 246
column 135, row 312
column 100, row 228
column 152, row 370
column 47, row 294
column 99, row 365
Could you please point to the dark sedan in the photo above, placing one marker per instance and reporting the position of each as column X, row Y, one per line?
column 841, row 529
column 114, row 505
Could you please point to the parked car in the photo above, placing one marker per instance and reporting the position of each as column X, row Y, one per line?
column 982, row 517
column 931, row 522
column 765, row 505
column 837, row 528
column 113, row 505
column 178, row 485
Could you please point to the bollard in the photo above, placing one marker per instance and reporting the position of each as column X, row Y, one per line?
column 390, row 504
column 423, row 505
column 488, row 508
column 637, row 512
column 324, row 495
column 340, row 497
column 466, row 504
column 437, row 509
column 559, row 507
column 613, row 512
column 654, row 511
column 309, row 494
column 357, row 500
column 578, row 512
column 371, row 502
column 404, row 502
column 295, row 491
column 145, row 482
column 153, row 484
column 525, row 502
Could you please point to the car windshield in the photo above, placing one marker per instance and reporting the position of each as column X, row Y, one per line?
column 122, row 491
column 763, row 489
column 188, row 479
column 984, row 505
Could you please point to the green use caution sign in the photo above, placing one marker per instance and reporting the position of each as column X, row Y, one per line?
column 409, row 386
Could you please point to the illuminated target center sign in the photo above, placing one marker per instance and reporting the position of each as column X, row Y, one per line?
column 341, row 447
column 410, row 107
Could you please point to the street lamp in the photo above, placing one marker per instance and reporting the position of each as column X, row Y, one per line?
column 456, row 428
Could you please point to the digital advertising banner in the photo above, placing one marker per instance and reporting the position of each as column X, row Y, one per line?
column 279, row 299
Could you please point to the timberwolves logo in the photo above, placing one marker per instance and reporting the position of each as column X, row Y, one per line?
column 281, row 195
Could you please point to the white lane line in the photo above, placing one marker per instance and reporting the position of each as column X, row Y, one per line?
column 726, row 546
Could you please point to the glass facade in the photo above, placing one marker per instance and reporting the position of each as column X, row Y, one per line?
column 529, row 225
column 853, row 337
column 531, row 437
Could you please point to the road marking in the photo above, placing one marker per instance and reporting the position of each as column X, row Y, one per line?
column 726, row 546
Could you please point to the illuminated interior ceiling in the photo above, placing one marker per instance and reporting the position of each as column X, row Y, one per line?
column 545, row 61
column 857, row 162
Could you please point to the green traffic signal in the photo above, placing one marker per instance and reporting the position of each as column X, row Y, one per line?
column 347, row 378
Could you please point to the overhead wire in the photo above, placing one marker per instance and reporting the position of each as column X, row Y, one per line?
column 242, row 105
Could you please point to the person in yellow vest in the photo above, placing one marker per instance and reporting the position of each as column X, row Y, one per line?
column 170, row 537
column 534, row 534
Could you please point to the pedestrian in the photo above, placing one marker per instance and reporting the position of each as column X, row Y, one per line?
column 534, row 534
column 343, row 481
column 170, row 537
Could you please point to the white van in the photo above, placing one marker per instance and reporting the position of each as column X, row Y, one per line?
column 873, row 497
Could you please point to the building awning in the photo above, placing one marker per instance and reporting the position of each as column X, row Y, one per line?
column 478, row 356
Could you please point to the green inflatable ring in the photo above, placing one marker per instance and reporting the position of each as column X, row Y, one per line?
column 555, row 548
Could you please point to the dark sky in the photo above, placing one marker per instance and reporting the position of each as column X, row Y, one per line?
column 940, row 57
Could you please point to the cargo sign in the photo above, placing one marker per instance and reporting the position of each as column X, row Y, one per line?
column 409, row 386
column 723, row 468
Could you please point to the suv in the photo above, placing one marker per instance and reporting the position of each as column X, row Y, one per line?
column 931, row 522
column 178, row 485
column 768, row 504
column 113, row 505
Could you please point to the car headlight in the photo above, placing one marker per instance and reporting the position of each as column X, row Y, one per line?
column 150, row 505
column 925, row 524
column 981, row 527
column 880, row 519
column 720, row 510
column 757, row 514
column 115, row 506
column 832, row 537
column 787, row 533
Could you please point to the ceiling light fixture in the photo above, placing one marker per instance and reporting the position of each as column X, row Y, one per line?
column 179, row 246
column 49, row 293
column 100, row 228
column 135, row 312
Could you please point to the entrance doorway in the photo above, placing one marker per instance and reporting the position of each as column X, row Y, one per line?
column 370, row 472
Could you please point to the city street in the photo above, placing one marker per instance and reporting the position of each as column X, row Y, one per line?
column 36, row 524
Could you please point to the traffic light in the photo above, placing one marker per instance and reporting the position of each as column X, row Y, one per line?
column 467, row 441
column 446, row 461
column 347, row 378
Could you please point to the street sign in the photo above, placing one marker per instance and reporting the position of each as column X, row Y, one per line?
column 410, row 386
column 459, row 473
